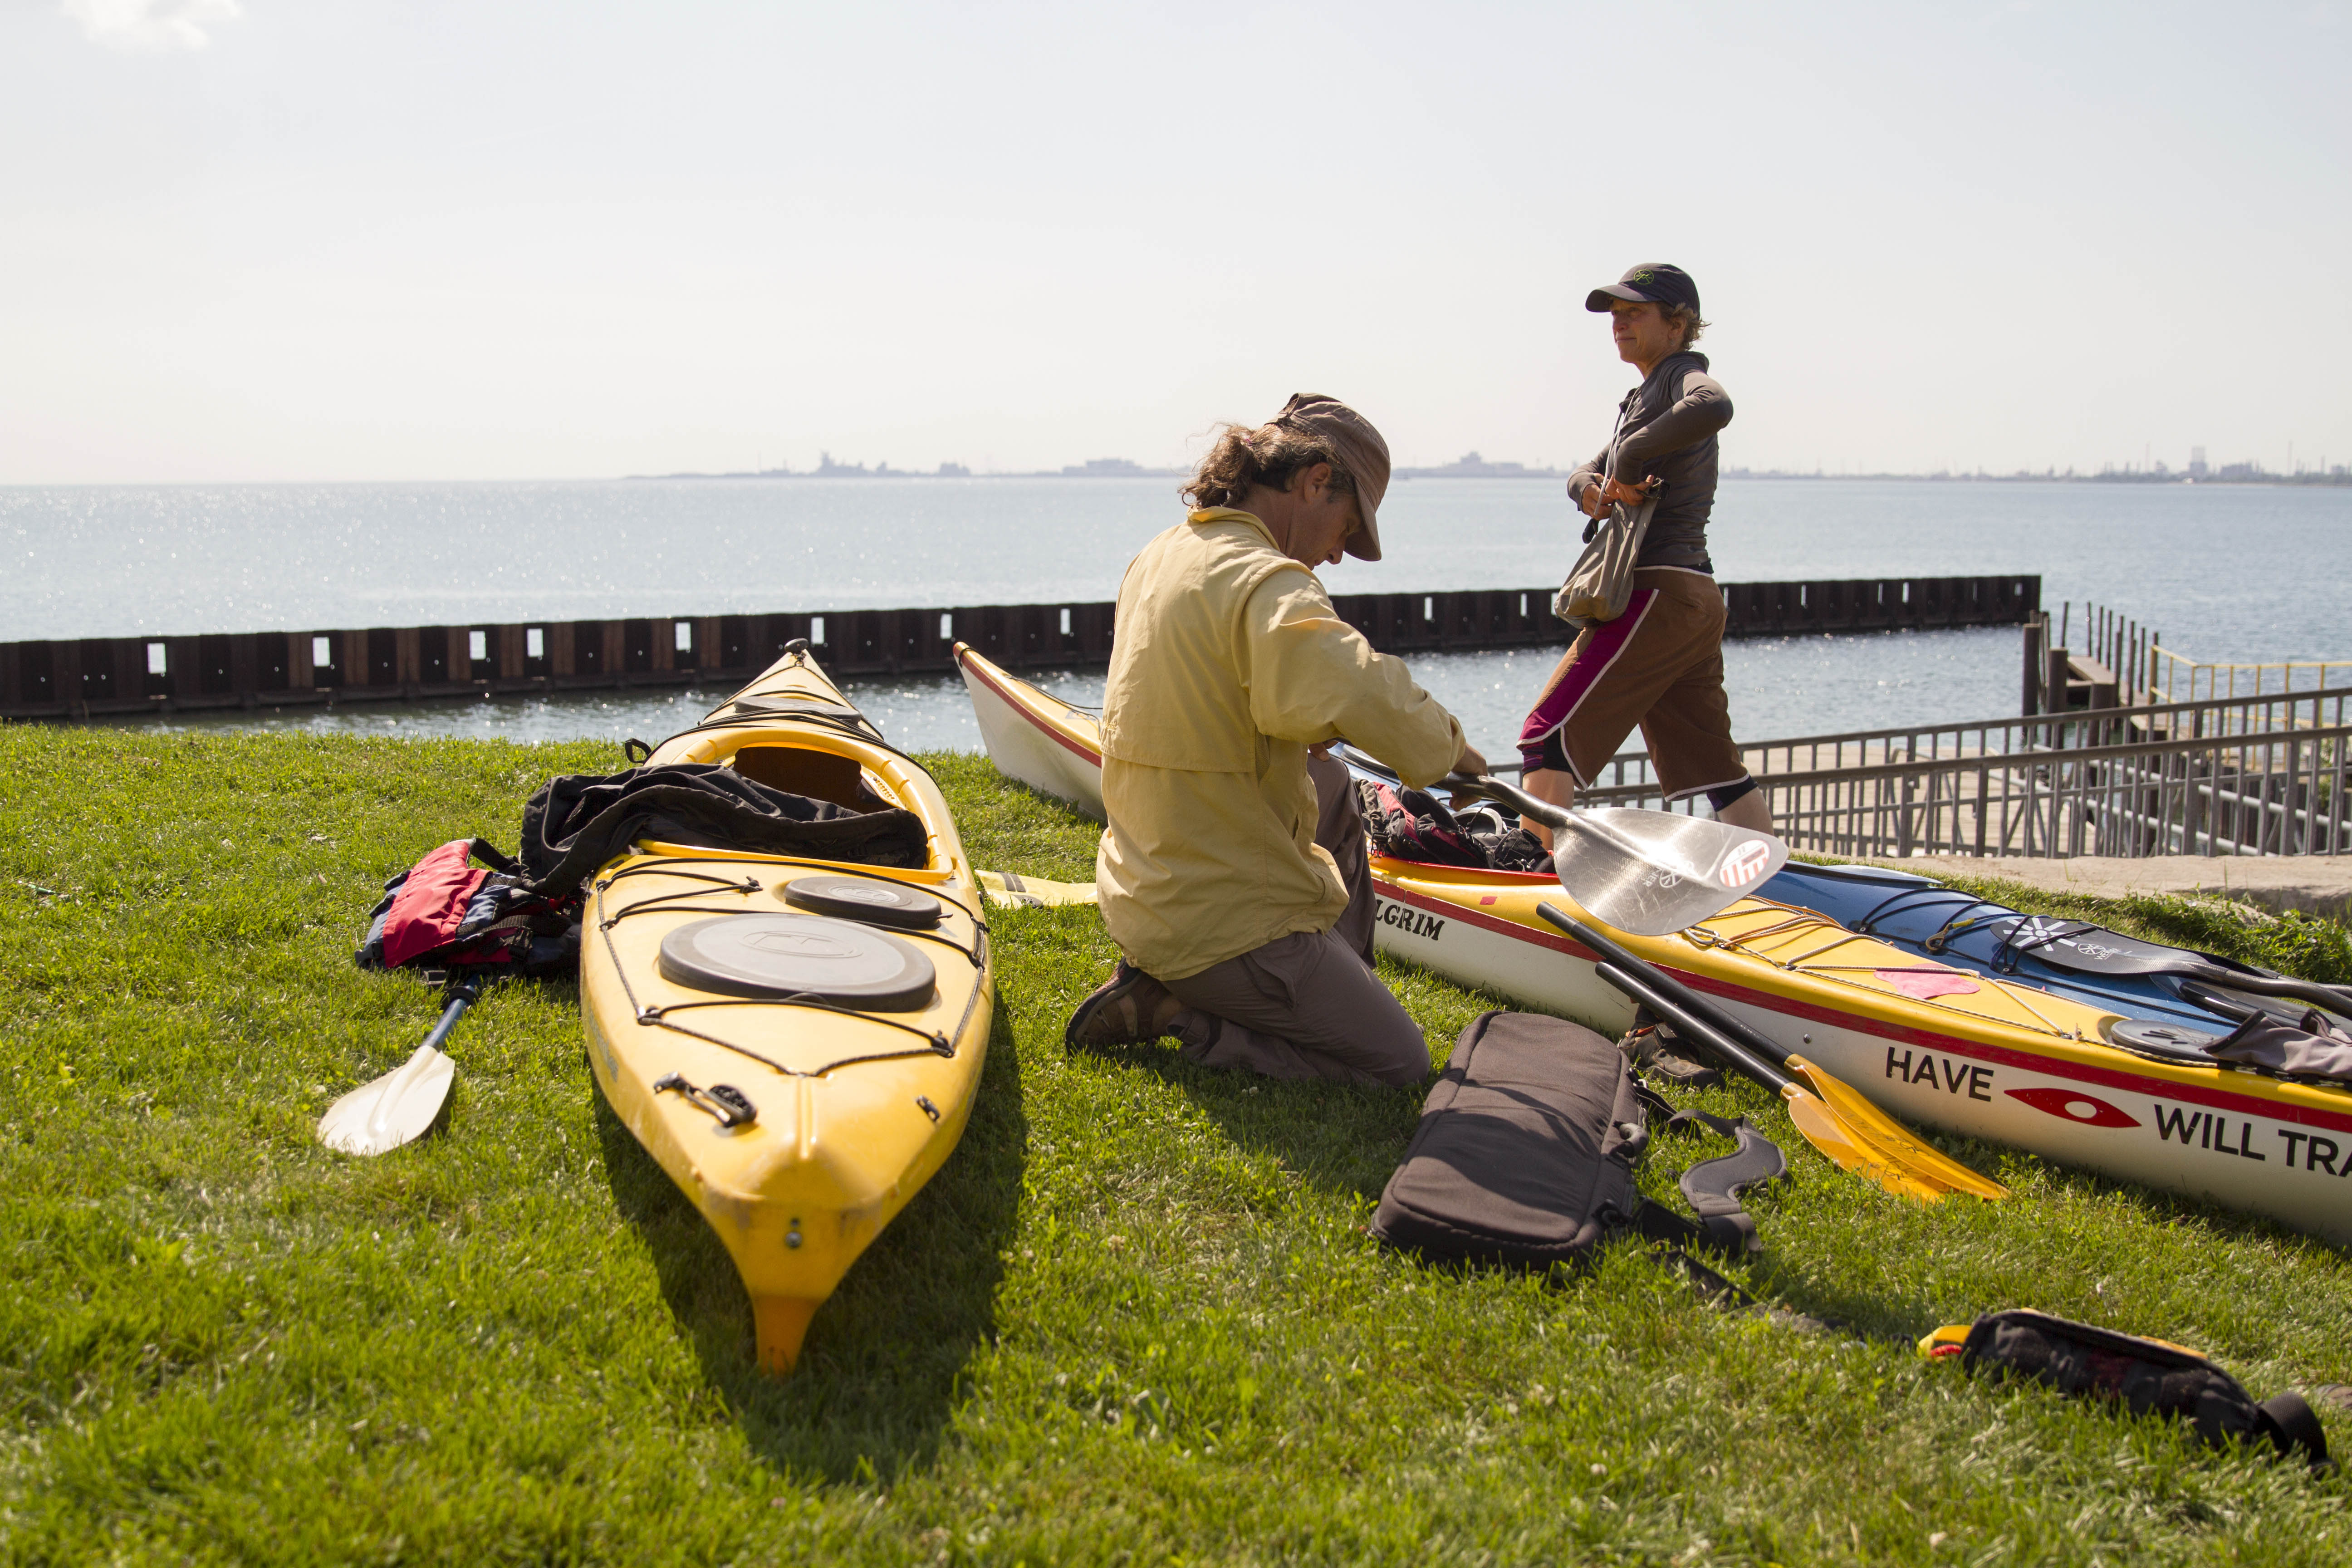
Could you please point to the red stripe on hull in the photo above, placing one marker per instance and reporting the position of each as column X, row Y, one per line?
column 1087, row 753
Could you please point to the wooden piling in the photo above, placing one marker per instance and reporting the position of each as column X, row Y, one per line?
column 77, row 677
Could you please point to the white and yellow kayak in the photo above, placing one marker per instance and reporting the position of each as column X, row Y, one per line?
column 797, row 1042
column 1969, row 1054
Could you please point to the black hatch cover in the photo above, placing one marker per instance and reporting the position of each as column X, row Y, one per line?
column 2169, row 1042
column 799, row 955
column 869, row 899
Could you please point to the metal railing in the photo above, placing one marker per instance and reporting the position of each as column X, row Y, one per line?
column 2177, row 676
column 2147, row 670
column 2249, row 775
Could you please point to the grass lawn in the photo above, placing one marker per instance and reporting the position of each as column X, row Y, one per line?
column 1135, row 1318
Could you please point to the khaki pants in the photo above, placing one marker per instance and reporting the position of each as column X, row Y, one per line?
column 1659, row 665
column 1308, row 1006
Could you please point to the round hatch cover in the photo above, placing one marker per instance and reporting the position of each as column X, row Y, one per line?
column 869, row 899
column 2173, row 1040
column 799, row 955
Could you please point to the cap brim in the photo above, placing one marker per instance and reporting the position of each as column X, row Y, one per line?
column 1364, row 544
column 1599, row 297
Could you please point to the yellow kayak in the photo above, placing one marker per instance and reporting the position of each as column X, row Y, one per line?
column 1980, row 1056
column 796, row 1041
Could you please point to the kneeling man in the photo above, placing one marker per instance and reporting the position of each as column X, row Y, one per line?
column 1233, row 874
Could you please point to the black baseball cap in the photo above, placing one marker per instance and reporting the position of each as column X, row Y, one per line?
column 1659, row 282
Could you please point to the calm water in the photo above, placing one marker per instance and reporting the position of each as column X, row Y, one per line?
column 2224, row 572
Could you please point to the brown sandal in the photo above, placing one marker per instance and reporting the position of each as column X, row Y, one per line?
column 1127, row 1009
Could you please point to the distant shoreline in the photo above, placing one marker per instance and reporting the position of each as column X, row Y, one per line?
column 2338, row 475
column 2337, row 479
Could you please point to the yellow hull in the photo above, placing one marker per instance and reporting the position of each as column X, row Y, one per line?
column 853, row 1111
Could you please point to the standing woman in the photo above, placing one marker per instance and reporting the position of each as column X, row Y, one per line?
column 1660, row 664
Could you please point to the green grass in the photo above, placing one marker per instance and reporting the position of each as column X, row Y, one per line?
column 1136, row 1318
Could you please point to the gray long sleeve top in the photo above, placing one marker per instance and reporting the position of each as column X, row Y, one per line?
column 1666, row 430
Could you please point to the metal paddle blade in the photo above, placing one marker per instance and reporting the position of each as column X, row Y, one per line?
column 1889, row 1140
column 1653, row 873
column 391, row 1110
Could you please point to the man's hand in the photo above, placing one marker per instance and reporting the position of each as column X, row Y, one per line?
column 1469, row 761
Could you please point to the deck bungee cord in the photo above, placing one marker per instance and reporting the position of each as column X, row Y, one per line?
column 750, row 885
column 938, row 1043
column 1802, row 920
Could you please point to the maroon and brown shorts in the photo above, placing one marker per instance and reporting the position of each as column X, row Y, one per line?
column 1659, row 665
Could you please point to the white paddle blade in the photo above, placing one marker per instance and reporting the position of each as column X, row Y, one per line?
column 395, row 1108
column 1653, row 873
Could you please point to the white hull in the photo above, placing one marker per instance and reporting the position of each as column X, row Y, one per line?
column 1029, row 751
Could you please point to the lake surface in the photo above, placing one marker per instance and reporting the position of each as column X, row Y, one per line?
column 2224, row 572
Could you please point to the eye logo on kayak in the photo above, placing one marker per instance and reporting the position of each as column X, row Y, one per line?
column 2072, row 1105
column 1744, row 865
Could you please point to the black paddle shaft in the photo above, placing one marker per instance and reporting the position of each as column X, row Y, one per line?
column 1485, row 785
column 1753, row 1042
column 461, row 995
column 1687, row 1023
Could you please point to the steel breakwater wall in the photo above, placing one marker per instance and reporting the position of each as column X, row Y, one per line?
column 76, row 678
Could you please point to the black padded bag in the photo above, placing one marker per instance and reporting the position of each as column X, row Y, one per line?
column 2143, row 1376
column 1525, row 1150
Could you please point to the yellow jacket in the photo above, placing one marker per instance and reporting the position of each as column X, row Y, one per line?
column 1228, row 663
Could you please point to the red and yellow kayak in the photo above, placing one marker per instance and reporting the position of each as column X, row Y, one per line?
column 1968, row 1054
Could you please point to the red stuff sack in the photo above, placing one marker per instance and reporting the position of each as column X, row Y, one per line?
column 444, row 912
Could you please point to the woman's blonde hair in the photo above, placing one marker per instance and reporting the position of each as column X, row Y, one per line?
column 1268, row 454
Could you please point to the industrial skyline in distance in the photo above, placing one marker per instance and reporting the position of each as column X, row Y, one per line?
column 1472, row 466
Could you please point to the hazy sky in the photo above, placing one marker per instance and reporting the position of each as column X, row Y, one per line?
column 298, row 239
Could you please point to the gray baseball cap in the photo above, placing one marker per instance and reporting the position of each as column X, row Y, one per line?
column 1360, row 451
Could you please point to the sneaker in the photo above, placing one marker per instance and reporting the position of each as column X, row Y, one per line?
column 1128, row 1009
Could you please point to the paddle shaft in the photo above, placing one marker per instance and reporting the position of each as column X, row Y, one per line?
column 2184, row 966
column 1686, row 1022
column 1756, row 1043
column 2312, row 990
column 461, row 997
column 1487, row 784
column 1512, row 795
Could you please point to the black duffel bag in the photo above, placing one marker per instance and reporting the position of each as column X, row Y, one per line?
column 576, row 823
column 1526, row 1151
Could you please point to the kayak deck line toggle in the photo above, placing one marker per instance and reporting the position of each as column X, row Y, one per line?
column 730, row 1106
